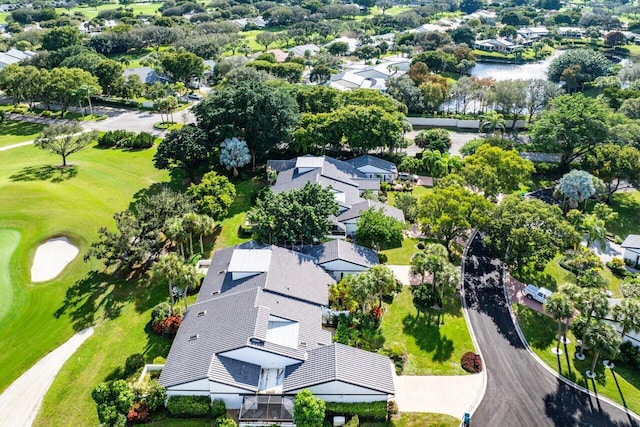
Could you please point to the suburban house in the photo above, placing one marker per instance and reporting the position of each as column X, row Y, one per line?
column 303, row 49
column 347, row 183
column 147, row 74
column 571, row 32
column 254, row 339
column 533, row 33
column 13, row 56
column 362, row 76
column 340, row 258
column 375, row 167
column 497, row 45
column 631, row 246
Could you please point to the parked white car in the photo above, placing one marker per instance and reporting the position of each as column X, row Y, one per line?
column 536, row 293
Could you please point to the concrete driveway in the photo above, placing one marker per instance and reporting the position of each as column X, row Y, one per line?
column 403, row 274
column 458, row 139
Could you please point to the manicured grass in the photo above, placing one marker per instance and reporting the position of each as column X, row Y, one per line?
column 415, row 419
column 554, row 275
column 402, row 255
column 230, row 226
column 13, row 132
column 431, row 350
column 39, row 200
column 627, row 204
column 621, row 384
column 9, row 240
column 92, row 12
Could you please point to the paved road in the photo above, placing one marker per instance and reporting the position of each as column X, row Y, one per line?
column 520, row 392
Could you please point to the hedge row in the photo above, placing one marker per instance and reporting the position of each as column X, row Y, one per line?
column 126, row 139
column 195, row 407
column 127, row 103
column 372, row 411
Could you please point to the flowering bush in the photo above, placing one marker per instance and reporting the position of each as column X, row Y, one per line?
column 471, row 362
column 138, row 414
column 168, row 326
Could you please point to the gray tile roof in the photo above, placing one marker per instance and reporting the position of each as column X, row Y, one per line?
column 368, row 160
column 228, row 314
column 339, row 249
column 338, row 362
column 356, row 210
column 147, row 74
column 632, row 241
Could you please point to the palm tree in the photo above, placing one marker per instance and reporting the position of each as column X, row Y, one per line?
column 418, row 265
column 449, row 276
column 592, row 303
column 175, row 232
column 436, row 258
column 627, row 313
column 207, row 227
column 603, row 340
column 169, row 267
column 492, row 121
column 559, row 306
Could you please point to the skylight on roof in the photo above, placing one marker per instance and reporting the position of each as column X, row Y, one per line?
column 250, row 261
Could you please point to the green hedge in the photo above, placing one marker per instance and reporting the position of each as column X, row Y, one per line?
column 189, row 406
column 372, row 411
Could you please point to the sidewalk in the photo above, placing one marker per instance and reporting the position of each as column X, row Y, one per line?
column 20, row 402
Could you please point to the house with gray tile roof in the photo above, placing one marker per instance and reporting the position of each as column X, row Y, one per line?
column 347, row 182
column 340, row 258
column 254, row 338
column 375, row 167
column 631, row 246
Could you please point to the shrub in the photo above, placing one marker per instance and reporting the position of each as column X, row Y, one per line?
column 133, row 363
column 225, row 422
column 383, row 258
column 156, row 395
column 371, row 411
column 160, row 312
column 108, row 415
column 420, row 246
column 124, row 400
column 159, row 360
column 434, row 139
column 218, row 408
column 471, row 362
column 189, row 406
column 397, row 354
column 138, row 414
column 143, row 140
column 101, row 393
column 168, row 327
column 115, row 138
column 353, row 422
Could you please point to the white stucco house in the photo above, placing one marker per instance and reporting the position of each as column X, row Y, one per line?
column 347, row 183
column 340, row 258
column 631, row 246
column 254, row 339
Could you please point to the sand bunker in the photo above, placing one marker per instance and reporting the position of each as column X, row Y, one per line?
column 51, row 258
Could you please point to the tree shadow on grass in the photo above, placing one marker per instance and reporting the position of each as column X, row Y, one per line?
column 539, row 329
column 98, row 292
column 55, row 174
column 428, row 337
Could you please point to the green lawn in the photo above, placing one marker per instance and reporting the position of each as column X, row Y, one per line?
column 230, row 226
column 620, row 384
column 627, row 204
column 12, row 132
column 92, row 12
column 39, row 200
column 431, row 350
column 402, row 255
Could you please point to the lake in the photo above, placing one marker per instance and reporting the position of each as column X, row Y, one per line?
column 529, row 70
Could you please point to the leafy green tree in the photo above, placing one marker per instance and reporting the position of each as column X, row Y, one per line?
column 377, row 230
column 266, row 38
column 450, row 211
column 234, row 154
column 59, row 37
column 178, row 275
column 510, row 97
column 437, row 61
column 592, row 64
column 573, row 127
column 307, row 211
column 263, row 116
column 424, row 297
column 524, row 232
column 613, row 163
column 408, row 204
column 63, row 86
column 338, row 48
column 491, row 122
column 404, row 90
column 559, row 306
column 374, row 283
column 308, row 411
column 64, row 139
column 602, row 339
column 341, row 295
column 494, row 170
column 434, row 139
column 321, row 73
column 108, row 71
column 630, row 108
column 627, row 313
column 213, row 195
column 182, row 66
column 186, row 148
column 439, row 165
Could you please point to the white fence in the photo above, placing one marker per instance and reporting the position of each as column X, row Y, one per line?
column 457, row 123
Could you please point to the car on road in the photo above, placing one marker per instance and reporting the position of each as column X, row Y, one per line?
column 194, row 96
column 536, row 293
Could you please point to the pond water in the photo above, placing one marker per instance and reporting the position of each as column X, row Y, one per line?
column 529, row 70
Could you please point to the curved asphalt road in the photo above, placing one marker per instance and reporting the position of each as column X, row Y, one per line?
column 519, row 391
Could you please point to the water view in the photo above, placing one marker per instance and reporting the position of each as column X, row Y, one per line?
column 529, row 70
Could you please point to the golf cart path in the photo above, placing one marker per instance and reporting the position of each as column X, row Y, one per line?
column 20, row 402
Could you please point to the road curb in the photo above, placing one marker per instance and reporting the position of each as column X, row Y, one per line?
column 476, row 403
column 547, row 367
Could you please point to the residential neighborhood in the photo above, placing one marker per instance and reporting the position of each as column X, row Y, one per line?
column 368, row 213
